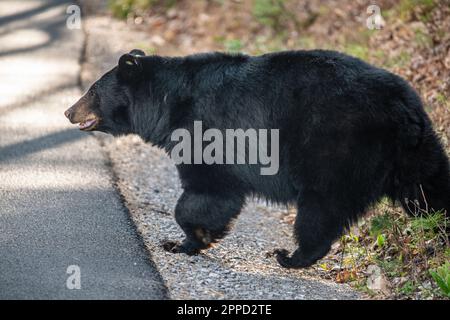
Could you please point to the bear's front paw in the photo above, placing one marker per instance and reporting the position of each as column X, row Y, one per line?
column 176, row 247
column 283, row 259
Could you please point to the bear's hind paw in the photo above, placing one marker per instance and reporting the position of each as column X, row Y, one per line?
column 285, row 261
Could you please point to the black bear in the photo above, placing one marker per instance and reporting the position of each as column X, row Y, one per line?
column 349, row 134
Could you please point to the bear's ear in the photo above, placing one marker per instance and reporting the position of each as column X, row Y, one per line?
column 130, row 67
column 137, row 53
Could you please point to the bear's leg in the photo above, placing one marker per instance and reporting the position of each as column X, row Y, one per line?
column 204, row 218
column 318, row 224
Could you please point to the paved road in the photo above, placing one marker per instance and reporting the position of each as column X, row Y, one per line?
column 58, row 206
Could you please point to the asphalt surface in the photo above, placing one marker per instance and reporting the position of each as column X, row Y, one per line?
column 58, row 206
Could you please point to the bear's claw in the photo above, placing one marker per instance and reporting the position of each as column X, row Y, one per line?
column 176, row 247
column 170, row 246
column 283, row 259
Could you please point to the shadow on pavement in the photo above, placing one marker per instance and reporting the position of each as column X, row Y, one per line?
column 24, row 103
column 52, row 140
column 53, row 29
column 31, row 12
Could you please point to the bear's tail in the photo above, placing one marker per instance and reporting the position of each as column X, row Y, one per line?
column 431, row 191
column 423, row 170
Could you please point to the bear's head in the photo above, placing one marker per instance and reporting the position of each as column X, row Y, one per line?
column 106, row 105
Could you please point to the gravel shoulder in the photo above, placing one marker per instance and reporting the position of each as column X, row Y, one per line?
column 239, row 267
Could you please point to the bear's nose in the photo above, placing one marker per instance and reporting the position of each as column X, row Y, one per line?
column 68, row 113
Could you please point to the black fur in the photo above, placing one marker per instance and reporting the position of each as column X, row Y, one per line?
column 350, row 133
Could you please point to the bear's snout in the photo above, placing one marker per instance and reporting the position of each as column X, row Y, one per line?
column 68, row 113
column 78, row 112
column 82, row 114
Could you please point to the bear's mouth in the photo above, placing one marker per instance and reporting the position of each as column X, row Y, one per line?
column 88, row 125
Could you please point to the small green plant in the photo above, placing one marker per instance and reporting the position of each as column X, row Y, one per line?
column 381, row 240
column 380, row 223
column 408, row 288
column 441, row 276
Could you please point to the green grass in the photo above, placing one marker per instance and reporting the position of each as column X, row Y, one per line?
column 430, row 225
column 441, row 276
column 380, row 223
